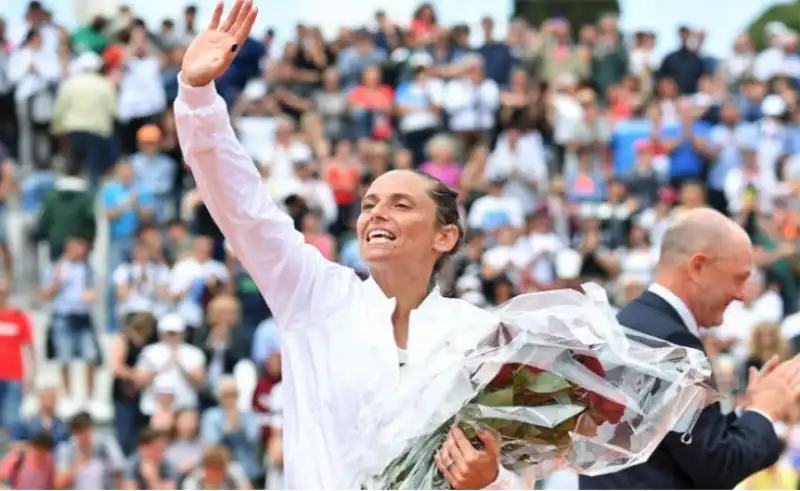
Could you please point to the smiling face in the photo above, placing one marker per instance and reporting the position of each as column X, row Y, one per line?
column 398, row 226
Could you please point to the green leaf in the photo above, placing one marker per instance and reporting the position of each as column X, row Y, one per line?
column 497, row 398
column 547, row 383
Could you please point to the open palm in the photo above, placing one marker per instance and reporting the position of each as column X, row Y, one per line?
column 213, row 50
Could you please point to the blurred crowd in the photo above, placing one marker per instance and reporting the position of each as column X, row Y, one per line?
column 570, row 154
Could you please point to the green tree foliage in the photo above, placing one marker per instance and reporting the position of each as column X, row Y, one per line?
column 785, row 13
column 577, row 12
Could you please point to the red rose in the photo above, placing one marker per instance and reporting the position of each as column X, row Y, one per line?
column 507, row 372
column 602, row 409
column 504, row 376
column 592, row 364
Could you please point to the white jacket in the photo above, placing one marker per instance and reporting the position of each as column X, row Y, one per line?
column 337, row 338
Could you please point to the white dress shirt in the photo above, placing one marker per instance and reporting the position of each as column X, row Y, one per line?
column 688, row 319
column 337, row 341
column 679, row 305
column 141, row 92
column 46, row 71
column 471, row 107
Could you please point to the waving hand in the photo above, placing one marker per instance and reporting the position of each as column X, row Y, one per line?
column 212, row 51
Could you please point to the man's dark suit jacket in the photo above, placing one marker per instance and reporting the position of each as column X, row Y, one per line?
column 724, row 449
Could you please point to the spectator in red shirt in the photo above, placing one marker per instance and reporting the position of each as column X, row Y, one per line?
column 30, row 467
column 16, row 353
column 371, row 104
column 424, row 22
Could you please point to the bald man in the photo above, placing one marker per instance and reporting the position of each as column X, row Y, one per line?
column 705, row 262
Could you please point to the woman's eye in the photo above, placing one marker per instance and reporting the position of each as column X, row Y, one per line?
column 402, row 206
column 367, row 207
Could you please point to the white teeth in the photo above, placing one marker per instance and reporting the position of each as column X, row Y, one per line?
column 380, row 236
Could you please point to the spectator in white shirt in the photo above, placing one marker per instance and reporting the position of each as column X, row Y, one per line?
column 141, row 285
column 520, row 159
column 255, row 125
column 740, row 63
column 35, row 71
column 637, row 261
column 540, row 246
column 142, row 97
column 277, row 160
column 567, row 111
column 36, row 18
column 170, row 363
column 494, row 210
column 644, row 60
column 504, row 260
column 194, row 276
column 744, row 188
column 472, row 100
column 780, row 58
column 317, row 193
column 418, row 102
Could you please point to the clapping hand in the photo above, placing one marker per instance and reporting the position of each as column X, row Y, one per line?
column 212, row 51
column 775, row 391
column 755, row 376
column 464, row 466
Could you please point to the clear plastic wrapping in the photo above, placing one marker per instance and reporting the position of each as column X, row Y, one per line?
column 557, row 382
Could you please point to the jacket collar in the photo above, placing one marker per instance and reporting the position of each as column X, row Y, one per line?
column 678, row 305
column 70, row 183
column 375, row 294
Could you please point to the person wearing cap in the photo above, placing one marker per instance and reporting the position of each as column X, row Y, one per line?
column 770, row 139
column 417, row 103
column 85, row 113
column 171, row 363
column 155, row 171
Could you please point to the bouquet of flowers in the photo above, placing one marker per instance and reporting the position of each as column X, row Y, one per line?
column 556, row 381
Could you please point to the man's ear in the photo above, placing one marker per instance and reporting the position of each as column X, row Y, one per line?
column 697, row 262
column 446, row 239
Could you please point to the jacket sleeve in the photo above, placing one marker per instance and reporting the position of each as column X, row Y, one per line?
column 291, row 275
column 729, row 448
column 507, row 479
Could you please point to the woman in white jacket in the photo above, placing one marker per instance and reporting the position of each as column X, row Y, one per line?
column 342, row 339
column 34, row 71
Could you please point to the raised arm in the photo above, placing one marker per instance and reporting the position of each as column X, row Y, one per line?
column 290, row 274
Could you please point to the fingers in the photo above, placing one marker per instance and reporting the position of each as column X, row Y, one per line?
column 246, row 27
column 753, row 376
column 445, row 464
column 491, row 443
column 794, row 375
column 241, row 17
column 214, row 24
column 770, row 365
column 457, row 438
column 232, row 16
column 458, row 458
